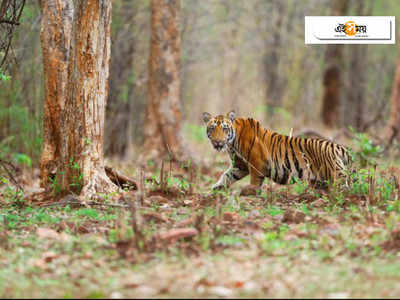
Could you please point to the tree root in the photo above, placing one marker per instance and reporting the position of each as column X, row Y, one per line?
column 107, row 183
column 120, row 179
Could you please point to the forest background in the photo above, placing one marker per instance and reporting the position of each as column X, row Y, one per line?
column 243, row 55
column 165, row 234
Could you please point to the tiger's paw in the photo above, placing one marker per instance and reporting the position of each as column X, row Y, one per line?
column 250, row 190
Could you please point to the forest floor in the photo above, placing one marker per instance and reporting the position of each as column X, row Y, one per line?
column 180, row 240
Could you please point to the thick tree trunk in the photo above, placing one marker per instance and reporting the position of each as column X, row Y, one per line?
column 393, row 127
column 82, row 147
column 55, row 34
column 75, row 144
column 332, row 78
column 163, row 114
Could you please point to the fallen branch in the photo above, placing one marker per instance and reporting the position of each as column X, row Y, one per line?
column 120, row 179
column 9, row 22
column 71, row 199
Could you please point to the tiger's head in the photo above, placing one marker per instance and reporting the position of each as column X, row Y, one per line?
column 220, row 129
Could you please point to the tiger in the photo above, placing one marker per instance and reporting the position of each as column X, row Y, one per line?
column 263, row 153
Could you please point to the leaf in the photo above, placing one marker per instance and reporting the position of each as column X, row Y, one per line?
column 22, row 158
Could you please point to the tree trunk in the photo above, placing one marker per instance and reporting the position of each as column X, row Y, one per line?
column 393, row 127
column 332, row 80
column 353, row 112
column 271, row 62
column 55, row 35
column 163, row 113
column 122, row 86
column 75, row 144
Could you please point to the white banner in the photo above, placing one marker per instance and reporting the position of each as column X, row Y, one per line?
column 349, row 30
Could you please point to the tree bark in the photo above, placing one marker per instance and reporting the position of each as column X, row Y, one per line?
column 271, row 60
column 393, row 127
column 163, row 113
column 332, row 78
column 353, row 113
column 74, row 119
column 55, row 35
column 122, row 87
column 82, row 149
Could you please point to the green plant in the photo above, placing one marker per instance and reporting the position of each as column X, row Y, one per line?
column 385, row 188
column 3, row 76
column 300, row 187
column 181, row 182
column 273, row 210
column 22, row 159
column 367, row 151
column 230, row 240
column 77, row 177
column 54, row 185
column 11, row 193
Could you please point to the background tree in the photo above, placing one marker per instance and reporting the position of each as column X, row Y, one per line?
column 126, row 97
column 222, row 42
column 163, row 113
column 10, row 13
column 355, row 79
column 332, row 75
column 79, row 45
column 274, row 80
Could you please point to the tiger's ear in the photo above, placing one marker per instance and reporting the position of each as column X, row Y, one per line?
column 231, row 115
column 206, row 117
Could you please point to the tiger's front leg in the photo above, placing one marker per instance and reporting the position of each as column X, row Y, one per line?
column 230, row 176
column 256, row 178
